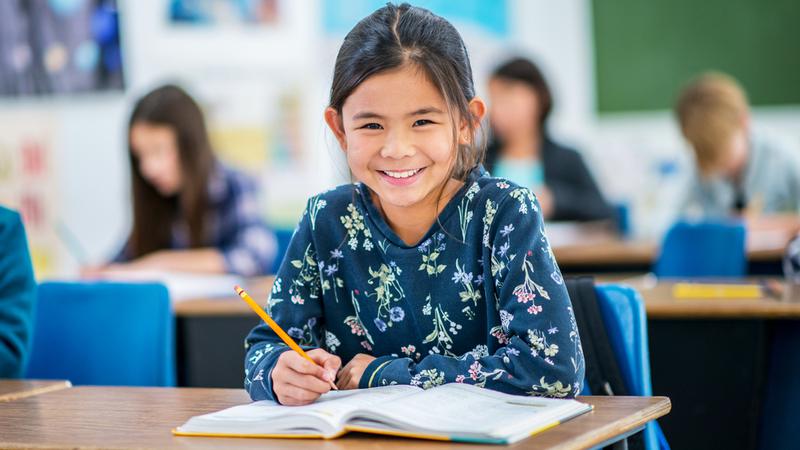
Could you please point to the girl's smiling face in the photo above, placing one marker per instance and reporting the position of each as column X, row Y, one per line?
column 397, row 134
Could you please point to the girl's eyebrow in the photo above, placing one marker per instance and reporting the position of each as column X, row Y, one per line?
column 419, row 112
column 367, row 115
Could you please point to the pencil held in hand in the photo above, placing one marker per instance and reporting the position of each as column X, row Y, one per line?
column 276, row 328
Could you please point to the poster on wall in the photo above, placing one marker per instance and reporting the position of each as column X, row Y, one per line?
column 224, row 12
column 257, row 126
column 59, row 47
column 27, row 182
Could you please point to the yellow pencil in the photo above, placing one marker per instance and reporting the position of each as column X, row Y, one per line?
column 276, row 328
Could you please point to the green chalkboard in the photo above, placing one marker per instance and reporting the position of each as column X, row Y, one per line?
column 645, row 50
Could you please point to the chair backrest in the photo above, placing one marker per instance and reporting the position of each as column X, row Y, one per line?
column 622, row 313
column 103, row 333
column 710, row 248
column 284, row 237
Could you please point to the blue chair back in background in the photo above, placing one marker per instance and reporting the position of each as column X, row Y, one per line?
column 697, row 249
column 103, row 333
column 623, row 313
column 284, row 237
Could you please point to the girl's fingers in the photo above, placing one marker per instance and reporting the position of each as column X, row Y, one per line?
column 331, row 363
column 308, row 382
column 297, row 395
column 303, row 366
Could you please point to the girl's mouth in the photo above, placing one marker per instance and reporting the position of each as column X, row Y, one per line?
column 401, row 177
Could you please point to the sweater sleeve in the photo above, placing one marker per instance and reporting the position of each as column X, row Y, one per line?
column 539, row 349
column 295, row 303
column 17, row 295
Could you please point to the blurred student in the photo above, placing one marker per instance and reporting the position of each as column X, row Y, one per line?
column 190, row 212
column 17, row 294
column 523, row 151
column 738, row 170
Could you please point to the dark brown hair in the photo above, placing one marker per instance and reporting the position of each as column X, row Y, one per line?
column 154, row 214
column 525, row 71
column 394, row 36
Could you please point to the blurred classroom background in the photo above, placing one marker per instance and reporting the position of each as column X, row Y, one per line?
column 72, row 69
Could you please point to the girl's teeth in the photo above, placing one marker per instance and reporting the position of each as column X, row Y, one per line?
column 405, row 174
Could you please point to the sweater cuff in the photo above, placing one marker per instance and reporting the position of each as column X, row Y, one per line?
column 372, row 373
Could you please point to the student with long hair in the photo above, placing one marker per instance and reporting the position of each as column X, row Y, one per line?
column 190, row 212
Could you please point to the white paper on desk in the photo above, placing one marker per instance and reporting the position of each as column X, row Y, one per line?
column 181, row 285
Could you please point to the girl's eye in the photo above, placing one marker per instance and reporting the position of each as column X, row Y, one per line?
column 422, row 122
column 372, row 126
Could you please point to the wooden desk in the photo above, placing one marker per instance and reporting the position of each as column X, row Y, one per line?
column 597, row 244
column 105, row 417
column 17, row 389
column 783, row 303
column 258, row 288
column 721, row 345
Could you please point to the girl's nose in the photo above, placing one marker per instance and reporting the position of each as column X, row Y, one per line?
column 397, row 145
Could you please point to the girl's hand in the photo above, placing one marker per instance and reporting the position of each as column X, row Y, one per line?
column 350, row 375
column 299, row 382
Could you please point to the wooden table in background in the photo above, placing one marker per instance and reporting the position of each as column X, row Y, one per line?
column 17, row 389
column 258, row 288
column 598, row 245
column 781, row 301
column 209, row 335
column 704, row 350
column 124, row 417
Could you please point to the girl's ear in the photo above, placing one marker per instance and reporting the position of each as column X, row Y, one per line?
column 477, row 109
column 334, row 121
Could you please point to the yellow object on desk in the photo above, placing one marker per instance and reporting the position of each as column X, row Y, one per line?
column 716, row 291
column 276, row 328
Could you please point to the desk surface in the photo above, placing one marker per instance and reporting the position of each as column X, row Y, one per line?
column 114, row 417
column 16, row 389
column 780, row 301
column 596, row 244
column 258, row 288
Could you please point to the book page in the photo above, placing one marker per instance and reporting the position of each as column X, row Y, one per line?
column 325, row 416
column 339, row 403
column 468, row 410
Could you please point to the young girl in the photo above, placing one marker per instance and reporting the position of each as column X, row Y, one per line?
column 190, row 213
column 523, row 151
column 426, row 271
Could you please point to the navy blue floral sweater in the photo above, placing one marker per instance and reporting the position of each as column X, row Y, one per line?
column 478, row 300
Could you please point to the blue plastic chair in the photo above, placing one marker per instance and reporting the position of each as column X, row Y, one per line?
column 103, row 333
column 626, row 325
column 703, row 249
column 284, row 237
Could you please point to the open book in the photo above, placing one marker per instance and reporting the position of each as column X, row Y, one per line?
column 453, row 412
